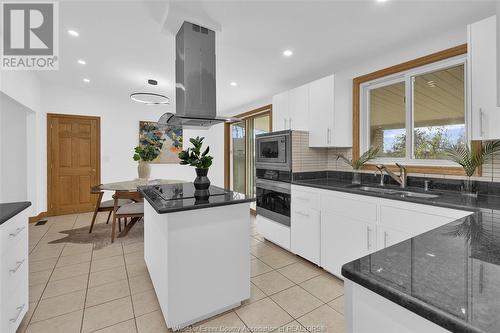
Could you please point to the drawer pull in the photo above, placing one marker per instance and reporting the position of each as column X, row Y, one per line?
column 19, row 264
column 368, row 245
column 19, row 311
column 385, row 238
column 15, row 233
column 302, row 213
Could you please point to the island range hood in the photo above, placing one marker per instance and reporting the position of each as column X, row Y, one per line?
column 195, row 93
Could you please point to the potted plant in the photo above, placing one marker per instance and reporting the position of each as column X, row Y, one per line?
column 356, row 164
column 472, row 158
column 150, row 145
column 201, row 161
column 145, row 154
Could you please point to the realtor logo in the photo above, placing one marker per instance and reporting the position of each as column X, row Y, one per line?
column 30, row 36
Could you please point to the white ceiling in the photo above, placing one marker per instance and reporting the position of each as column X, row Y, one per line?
column 127, row 42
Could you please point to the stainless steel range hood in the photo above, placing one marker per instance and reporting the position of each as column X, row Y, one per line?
column 195, row 79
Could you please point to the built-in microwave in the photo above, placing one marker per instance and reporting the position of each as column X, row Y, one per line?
column 273, row 151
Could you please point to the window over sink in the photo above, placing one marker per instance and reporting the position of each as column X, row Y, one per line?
column 416, row 114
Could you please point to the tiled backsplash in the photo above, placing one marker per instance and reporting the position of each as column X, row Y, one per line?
column 305, row 159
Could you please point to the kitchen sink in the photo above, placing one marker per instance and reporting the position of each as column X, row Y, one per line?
column 402, row 193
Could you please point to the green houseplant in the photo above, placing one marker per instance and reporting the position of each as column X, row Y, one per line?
column 472, row 158
column 150, row 145
column 356, row 164
column 201, row 161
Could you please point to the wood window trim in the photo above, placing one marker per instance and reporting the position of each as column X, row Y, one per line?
column 49, row 157
column 264, row 110
column 356, row 105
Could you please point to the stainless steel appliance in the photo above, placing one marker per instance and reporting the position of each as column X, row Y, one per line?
column 195, row 82
column 273, row 162
column 273, row 200
column 274, row 151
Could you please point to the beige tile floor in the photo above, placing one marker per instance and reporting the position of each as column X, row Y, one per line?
column 75, row 288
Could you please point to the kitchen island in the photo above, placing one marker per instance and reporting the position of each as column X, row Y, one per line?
column 196, row 250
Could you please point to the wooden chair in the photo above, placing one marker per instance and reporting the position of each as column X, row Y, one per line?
column 133, row 210
column 104, row 206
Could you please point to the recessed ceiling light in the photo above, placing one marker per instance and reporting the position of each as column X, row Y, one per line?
column 380, row 1
column 82, row 62
column 287, row 53
column 86, row 80
column 233, row 84
column 73, row 33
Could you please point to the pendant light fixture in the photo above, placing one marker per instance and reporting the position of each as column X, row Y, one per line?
column 146, row 95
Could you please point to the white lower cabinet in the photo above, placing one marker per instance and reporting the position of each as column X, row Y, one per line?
column 14, row 272
column 273, row 231
column 305, row 232
column 345, row 226
column 344, row 239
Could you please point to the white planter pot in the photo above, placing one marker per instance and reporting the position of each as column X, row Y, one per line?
column 144, row 170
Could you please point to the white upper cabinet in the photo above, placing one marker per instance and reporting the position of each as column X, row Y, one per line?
column 281, row 114
column 314, row 108
column 321, row 109
column 299, row 108
column 485, row 114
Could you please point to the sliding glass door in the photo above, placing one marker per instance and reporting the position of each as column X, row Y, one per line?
column 243, row 150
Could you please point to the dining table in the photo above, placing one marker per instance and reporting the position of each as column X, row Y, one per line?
column 129, row 186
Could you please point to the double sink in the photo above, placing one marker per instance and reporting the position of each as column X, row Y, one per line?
column 395, row 192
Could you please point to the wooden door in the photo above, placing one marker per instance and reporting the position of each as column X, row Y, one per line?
column 73, row 162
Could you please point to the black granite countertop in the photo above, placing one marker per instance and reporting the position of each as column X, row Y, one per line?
column 171, row 198
column 11, row 209
column 449, row 275
column 448, row 199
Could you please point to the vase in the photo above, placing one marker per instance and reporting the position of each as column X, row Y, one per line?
column 144, row 170
column 469, row 187
column 201, row 183
column 356, row 177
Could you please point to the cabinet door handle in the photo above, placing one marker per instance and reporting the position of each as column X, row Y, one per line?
column 368, row 230
column 290, row 123
column 302, row 213
column 18, row 265
column 481, row 118
column 329, row 135
column 19, row 311
column 385, row 238
column 284, row 123
column 15, row 233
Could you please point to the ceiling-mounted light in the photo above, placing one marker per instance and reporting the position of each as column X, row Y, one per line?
column 288, row 53
column 148, row 97
column 233, row 84
column 73, row 33
column 82, row 62
column 86, row 80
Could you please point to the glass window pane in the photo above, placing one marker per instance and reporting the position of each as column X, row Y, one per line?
column 439, row 112
column 387, row 120
column 239, row 156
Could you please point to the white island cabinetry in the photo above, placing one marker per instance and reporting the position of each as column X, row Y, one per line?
column 198, row 260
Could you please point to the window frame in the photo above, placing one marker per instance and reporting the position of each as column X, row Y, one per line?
column 408, row 77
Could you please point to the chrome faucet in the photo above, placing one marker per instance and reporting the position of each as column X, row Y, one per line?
column 401, row 178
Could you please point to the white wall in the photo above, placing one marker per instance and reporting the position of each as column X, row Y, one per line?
column 120, row 130
column 13, row 148
column 24, row 87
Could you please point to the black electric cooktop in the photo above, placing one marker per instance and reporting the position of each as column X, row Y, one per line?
column 183, row 191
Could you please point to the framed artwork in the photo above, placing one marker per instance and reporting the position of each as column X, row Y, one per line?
column 170, row 136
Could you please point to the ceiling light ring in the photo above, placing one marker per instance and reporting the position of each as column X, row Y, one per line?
column 133, row 97
column 150, row 98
